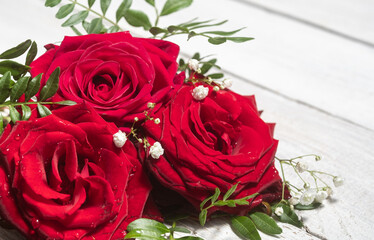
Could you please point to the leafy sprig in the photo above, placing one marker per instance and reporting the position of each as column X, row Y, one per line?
column 147, row 229
column 138, row 18
column 14, row 84
column 214, row 202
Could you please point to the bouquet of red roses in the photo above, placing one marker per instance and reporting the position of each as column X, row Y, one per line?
column 105, row 118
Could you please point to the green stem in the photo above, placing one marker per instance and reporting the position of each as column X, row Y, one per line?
column 157, row 16
column 328, row 174
column 25, row 103
column 94, row 12
column 284, row 181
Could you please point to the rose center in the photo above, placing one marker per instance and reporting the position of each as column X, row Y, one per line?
column 103, row 85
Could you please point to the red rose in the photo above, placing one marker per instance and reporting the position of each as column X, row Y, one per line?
column 115, row 73
column 62, row 177
column 215, row 142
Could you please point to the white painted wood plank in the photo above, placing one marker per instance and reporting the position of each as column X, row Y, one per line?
column 312, row 66
column 351, row 18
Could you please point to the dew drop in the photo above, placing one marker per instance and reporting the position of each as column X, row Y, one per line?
column 17, row 138
column 76, row 235
column 121, row 164
column 93, row 225
column 35, row 223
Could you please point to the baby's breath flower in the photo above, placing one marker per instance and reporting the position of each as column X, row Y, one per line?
column 200, row 92
column 193, row 64
column 119, row 139
column 151, row 105
column 338, row 181
column 156, row 150
column 227, row 83
column 278, row 211
column 306, row 186
column 307, row 197
column 321, row 196
column 216, row 88
column 293, row 200
column 136, row 119
column 301, row 166
column 157, row 121
column 329, row 191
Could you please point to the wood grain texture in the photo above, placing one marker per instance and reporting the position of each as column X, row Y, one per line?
column 317, row 86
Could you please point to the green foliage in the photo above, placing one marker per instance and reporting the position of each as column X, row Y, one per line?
column 265, row 223
column 288, row 215
column 245, row 228
column 138, row 18
column 147, row 229
column 16, row 51
column 214, row 202
column 172, row 6
column 311, row 206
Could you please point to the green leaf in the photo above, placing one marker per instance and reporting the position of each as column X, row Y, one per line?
column 239, row 39
column 75, row 19
column 173, row 28
column 85, row 25
column 148, row 224
column 1, row 124
column 51, row 86
column 174, row 5
column 181, row 229
column 289, row 216
column 33, row 87
column 16, row 51
column 4, row 86
column 217, row 40
column 156, row 30
column 216, row 75
column 202, row 217
column 191, row 34
column 113, row 29
column 76, row 31
column 26, row 112
column 91, row 3
column 138, row 19
column 43, row 110
column 122, row 9
column 245, row 228
column 31, row 53
column 65, row 10
column 14, row 114
column 96, row 25
column 196, row 56
column 202, row 204
column 66, row 103
column 216, row 195
column 223, row 33
column 15, row 68
column 151, row 2
column 192, row 23
column 209, row 25
column 51, row 3
column 19, row 88
column 189, row 238
column 104, row 5
column 204, row 69
column 144, row 235
column 265, row 223
column 307, row 207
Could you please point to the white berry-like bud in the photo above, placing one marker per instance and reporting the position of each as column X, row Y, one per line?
column 306, row 186
column 151, row 105
column 321, row 196
column 301, row 166
column 292, row 207
column 293, row 200
column 119, row 139
column 329, row 191
column 278, row 211
column 136, row 119
column 193, row 64
column 307, row 197
column 5, row 112
column 216, row 88
column 338, row 181
column 140, row 140
column 157, row 121
column 200, row 92
column 227, row 83
column 156, row 150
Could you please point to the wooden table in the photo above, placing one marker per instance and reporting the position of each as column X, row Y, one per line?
column 311, row 68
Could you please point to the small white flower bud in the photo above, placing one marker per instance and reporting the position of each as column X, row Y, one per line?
column 338, row 181
column 156, row 150
column 227, row 83
column 157, row 121
column 318, row 158
column 151, row 105
column 119, row 139
column 136, row 119
column 321, row 196
column 278, row 211
column 306, row 186
column 210, row 80
column 292, row 207
column 216, row 88
column 329, row 191
column 293, row 200
column 140, row 140
column 301, row 166
column 193, row 64
column 200, row 92
column 5, row 112
column 307, row 197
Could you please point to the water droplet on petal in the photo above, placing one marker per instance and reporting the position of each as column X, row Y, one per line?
column 76, row 235
column 35, row 223
column 17, row 137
